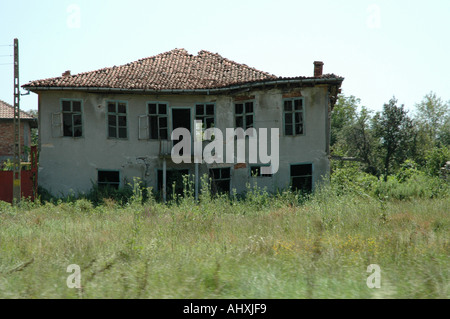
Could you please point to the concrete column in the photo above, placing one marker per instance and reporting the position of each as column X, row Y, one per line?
column 196, row 181
column 164, row 180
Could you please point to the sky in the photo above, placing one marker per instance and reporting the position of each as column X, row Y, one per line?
column 382, row 48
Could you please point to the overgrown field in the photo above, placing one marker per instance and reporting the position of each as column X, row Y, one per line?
column 261, row 247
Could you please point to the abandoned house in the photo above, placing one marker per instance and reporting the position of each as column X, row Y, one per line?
column 27, row 122
column 108, row 126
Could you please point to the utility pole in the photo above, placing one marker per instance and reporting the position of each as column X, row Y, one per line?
column 17, row 166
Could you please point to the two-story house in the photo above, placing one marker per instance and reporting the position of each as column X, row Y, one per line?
column 110, row 125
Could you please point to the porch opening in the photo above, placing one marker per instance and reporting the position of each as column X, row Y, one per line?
column 173, row 176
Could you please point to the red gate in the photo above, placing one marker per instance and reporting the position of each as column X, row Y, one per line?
column 28, row 181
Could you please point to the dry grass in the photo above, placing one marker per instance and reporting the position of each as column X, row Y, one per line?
column 227, row 249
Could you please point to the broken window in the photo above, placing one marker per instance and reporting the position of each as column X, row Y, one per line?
column 158, row 121
column 221, row 180
column 244, row 115
column 255, row 171
column 301, row 177
column 108, row 179
column 72, row 125
column 293, row 111
column 205, row 113
column 117, row 120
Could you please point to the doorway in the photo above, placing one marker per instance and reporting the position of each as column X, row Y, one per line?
column 181, row 118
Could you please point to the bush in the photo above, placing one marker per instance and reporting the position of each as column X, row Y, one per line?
column 83, row 205
column 351, row 180
column 408, row 183
column 418, row 185
column 435, row 159
column 45, row 196
column 98, row 195
column 407, row 170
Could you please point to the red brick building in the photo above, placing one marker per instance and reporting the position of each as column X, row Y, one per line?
column 27, row 122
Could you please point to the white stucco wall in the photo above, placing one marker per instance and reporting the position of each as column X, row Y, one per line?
column 70, row 164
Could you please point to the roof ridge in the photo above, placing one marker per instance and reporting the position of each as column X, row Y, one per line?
column 236, row 63
column 176, row 69
column 163, row 53
column 176, row 50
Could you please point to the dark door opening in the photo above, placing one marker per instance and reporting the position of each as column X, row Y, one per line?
column 181, row 118
column 173, row 177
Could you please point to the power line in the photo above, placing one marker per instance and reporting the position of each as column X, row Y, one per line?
column 6, row 55
column 6, row 63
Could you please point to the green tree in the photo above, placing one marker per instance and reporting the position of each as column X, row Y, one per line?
column 444, row 135
column 361, row 141
column 435, row 159
column 352, row 135
column 34, row 131
column 433, row 117
column 343, row 115
column 395, row 130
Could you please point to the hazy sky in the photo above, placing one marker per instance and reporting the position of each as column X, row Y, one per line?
column 382, row 48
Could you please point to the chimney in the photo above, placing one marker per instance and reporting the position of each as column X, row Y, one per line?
column 318, row 69
column 65, row 74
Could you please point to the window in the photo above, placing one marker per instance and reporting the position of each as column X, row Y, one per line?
column 205, row 113
column 108, row 179
column 255, row 171
column 244, row 115
column 71, row 118
column 293, row 117
column 301, row 177
column 158, row 121
column 221, row 180
column 117, row 120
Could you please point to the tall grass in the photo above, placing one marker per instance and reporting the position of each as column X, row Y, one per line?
column 282, row 245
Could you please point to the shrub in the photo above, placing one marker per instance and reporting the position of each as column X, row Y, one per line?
column 435, row 159
column 407, row 170
column 45, row 195
column 417, row 185
column 351, row 180
column 5, row 207
column 97, row 195
column 83, row 205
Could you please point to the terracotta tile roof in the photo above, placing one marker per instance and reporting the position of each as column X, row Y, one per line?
column 7, row 112
column 173, row 70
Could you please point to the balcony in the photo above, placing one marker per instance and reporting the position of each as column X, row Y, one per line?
column 165, row 150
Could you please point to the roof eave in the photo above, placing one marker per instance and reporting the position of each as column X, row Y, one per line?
column 313, row 81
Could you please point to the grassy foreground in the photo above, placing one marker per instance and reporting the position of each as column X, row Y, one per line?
column 263, row 247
